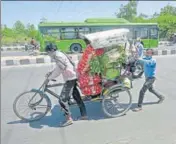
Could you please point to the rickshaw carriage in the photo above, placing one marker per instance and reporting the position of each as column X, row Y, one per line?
column 99, row 77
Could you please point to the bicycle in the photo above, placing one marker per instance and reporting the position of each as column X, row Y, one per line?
column 109, row 97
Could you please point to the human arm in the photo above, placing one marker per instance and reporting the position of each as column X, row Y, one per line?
column 54, row 74
column 148, row 61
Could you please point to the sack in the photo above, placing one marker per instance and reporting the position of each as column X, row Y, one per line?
column 108, row 39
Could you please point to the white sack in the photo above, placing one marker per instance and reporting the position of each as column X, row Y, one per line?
column 106, row 39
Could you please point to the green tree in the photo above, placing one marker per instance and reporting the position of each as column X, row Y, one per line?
column 155, row 15
column 143, row 16
column 168, row 10
column 128, row 11
column 19, row 27
column 31, row 31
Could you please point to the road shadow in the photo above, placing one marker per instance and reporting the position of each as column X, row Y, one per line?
column 55, row 117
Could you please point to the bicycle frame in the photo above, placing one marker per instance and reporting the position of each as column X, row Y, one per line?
column 51, row 92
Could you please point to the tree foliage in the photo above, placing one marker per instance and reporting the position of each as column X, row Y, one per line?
column 166, row 19
column 128, row 11
column 18, row 33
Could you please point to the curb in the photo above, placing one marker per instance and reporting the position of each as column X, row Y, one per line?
column 165, row 52
column 27, row 60
column 12, row 48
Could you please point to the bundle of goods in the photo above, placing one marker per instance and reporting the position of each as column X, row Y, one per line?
column 89, row 83
column 100, row 59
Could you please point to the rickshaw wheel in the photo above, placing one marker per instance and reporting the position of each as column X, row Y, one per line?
column 113, row 100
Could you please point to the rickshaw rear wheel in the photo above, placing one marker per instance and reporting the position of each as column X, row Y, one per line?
column 112, row 98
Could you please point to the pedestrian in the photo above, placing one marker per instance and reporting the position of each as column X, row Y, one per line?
column 150, row 76
column 66, row 67
column 139, row 48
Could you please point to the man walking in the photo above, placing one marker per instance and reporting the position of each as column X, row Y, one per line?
column 149, row 71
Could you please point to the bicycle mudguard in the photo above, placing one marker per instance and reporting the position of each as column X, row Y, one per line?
column 113, row 88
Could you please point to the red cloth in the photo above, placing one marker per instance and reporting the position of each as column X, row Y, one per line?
column 89, row 85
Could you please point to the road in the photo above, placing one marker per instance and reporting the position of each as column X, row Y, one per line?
column 23, row 53
column 156, row 124
column 14, row 53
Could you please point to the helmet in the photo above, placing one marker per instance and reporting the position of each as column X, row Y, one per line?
column 50, row 47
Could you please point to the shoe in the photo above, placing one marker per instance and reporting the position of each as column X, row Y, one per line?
column 137, row 109
column 83, row 118
column 67, row 123
column 160, row 100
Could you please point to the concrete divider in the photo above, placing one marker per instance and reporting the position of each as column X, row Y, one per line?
column 12, row 48
column 26, row 60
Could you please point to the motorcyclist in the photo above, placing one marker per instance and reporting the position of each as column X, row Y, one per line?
column 66, row 67
column 33, row 43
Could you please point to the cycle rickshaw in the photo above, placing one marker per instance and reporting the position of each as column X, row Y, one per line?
column 113, row 92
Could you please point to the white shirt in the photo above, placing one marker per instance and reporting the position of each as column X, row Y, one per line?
column 63, row 66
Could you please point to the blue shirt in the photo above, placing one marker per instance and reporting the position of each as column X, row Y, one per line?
column 149, row 66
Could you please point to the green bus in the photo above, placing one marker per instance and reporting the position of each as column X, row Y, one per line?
column 66, row 34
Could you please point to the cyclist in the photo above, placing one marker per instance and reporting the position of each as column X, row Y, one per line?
column 66, row 67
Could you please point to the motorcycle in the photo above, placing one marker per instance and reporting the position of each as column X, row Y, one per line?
column 135, row 67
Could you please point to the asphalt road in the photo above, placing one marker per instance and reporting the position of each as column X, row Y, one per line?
column 156, row 124
column 23, row 53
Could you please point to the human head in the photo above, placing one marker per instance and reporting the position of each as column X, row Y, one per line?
column 50, row 48
column 149, row 52
column 138, row 39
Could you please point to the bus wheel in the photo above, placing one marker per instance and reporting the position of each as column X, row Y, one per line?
column 76, row 48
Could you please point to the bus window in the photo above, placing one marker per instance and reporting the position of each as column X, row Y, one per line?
column 154, row 33
column 94, row 29
column 84, row 30
column 136, row 33
column 51, row 31
column 144, row 33
column 69, row 33
column 105, row 28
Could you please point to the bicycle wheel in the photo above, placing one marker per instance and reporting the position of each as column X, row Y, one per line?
column 37, row 104
column 117, row 102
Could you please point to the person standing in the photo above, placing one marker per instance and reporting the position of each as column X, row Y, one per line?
column 150, row 76
column 139, row 47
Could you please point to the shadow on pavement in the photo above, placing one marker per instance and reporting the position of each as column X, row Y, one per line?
column 55, row 117
column 134, row 105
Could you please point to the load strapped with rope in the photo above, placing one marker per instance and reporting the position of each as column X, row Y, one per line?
column 115, row 45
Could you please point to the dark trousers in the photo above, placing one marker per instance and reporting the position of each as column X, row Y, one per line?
column 148, row 85
column 69, row 89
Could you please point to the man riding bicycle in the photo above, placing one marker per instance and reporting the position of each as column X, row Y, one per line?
column 66, row 67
